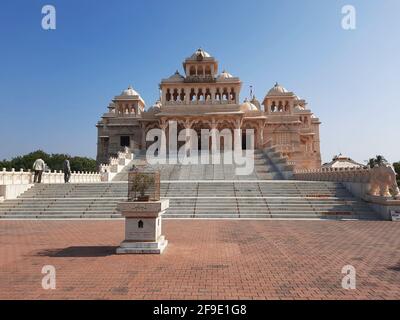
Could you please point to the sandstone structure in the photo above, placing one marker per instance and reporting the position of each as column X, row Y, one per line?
column 202, row 98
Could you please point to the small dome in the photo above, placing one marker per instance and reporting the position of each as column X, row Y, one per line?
column 156, row 107
column 255, row 102
column 298, row 108
column 224, row 75
column 157, row 104
column 176, row 76
column 200, row 53
column 248, row 106
column 129, row 92
column 277, row 90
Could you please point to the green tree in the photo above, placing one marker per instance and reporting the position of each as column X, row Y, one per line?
column 54, row 161
column 83, row 164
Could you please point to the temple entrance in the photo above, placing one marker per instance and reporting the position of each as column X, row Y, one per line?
column 125, row 141
column 244, row 141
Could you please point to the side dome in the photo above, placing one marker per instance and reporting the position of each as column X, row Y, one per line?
column 277, row 89
column 156, row 107
column 224, row 75
column 176, row 76
column 248, row 106
column 129, row 92
column 298, row 108
column 256, row 102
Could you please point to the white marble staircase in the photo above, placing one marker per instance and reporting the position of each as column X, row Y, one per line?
column 217, row 199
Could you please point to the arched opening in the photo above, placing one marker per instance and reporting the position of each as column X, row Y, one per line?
column 208, row 94
column 233, row 94
column 200, row 95
column 225, row 95
column 273, row 106
column 280, row 106
column 192, row 95
column 182, row 96
column 175, row 95
column 218, row 95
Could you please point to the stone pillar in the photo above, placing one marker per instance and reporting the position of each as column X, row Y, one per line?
column 187, row 95
column 164, row 138
column 212, row 91
column 143, row 141
column 260, row 142
column 143, row 227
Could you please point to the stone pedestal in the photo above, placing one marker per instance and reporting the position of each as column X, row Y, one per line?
column 143, row 227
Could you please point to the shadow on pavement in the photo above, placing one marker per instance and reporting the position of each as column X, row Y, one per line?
column 79, row 252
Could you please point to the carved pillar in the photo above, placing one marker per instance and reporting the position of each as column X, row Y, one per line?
column 164, row 138
column 143, row 142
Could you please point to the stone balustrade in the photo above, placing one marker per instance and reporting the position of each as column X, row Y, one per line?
column 375, row 185
column 14, row 177
column 379, row 181
column 361, row 175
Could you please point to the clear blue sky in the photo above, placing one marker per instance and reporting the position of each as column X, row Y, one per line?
column 54, row 85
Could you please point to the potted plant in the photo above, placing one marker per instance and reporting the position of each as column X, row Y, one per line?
column 140, row 184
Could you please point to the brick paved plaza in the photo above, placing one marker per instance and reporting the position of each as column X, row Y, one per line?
column 204, row 260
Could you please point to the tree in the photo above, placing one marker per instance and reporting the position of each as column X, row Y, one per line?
column 396, row 166
column 54, row 161
column 378, row 160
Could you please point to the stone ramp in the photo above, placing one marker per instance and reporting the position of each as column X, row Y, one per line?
column 218, row 199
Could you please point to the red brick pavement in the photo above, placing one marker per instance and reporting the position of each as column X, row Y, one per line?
column 204, row 260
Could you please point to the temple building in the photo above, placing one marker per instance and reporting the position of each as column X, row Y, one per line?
column 341, row 161
column 203, row 98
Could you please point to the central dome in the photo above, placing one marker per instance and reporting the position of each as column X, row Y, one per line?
column 200, row 53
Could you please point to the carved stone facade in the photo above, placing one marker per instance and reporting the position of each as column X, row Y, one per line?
column 204, row 99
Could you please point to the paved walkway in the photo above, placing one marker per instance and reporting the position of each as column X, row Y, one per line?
column 204, row 260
